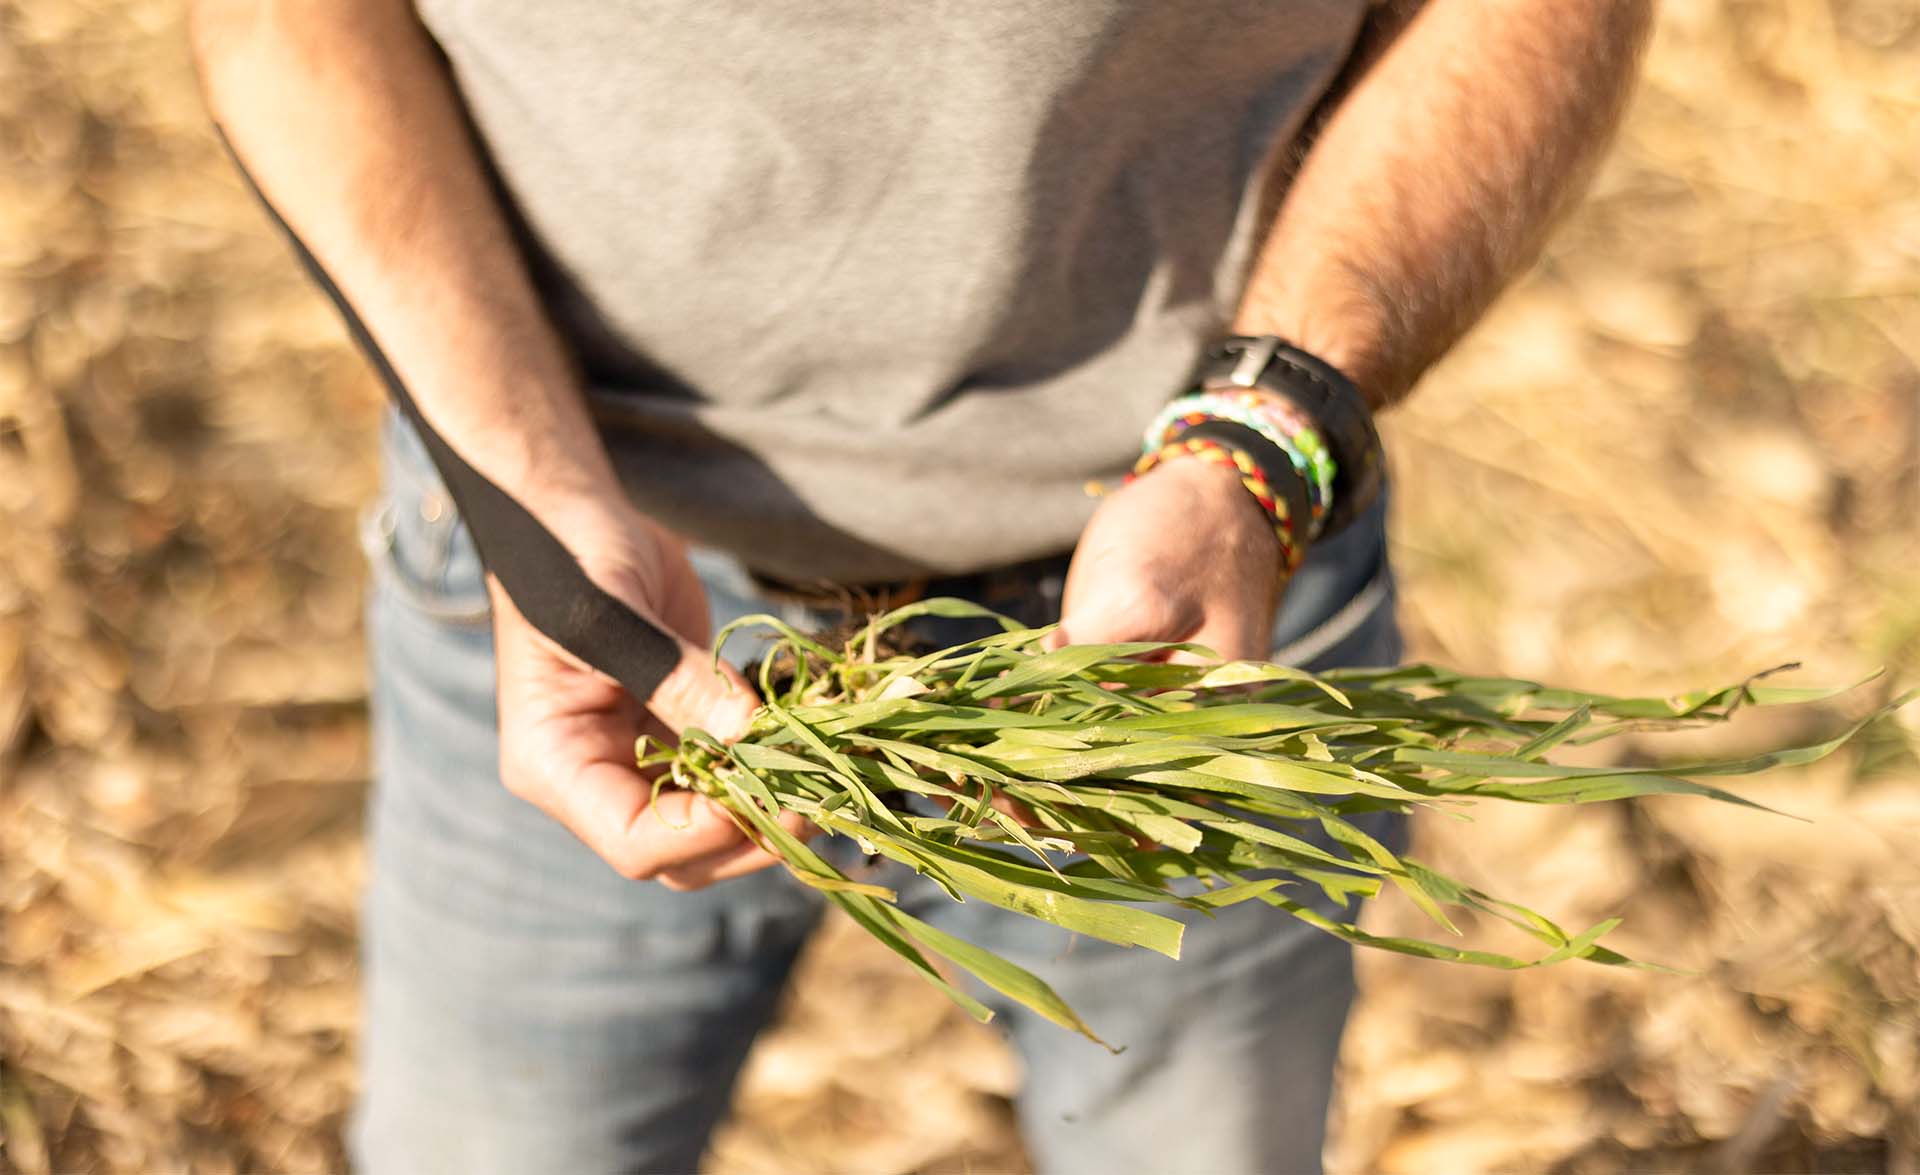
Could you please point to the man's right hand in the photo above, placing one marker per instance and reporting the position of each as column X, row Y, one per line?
column 567, row 732
column 346, row 117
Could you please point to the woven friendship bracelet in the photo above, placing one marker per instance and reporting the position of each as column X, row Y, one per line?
column 1217, row 453
column 1340, row 413
column 1275, row 418
column 1287, row 429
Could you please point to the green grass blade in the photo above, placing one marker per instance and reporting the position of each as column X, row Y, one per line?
column 1016, row 983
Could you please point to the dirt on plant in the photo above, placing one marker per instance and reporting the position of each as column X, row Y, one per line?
column 1685, row 448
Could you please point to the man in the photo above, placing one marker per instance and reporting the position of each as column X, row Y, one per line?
column 752, row 304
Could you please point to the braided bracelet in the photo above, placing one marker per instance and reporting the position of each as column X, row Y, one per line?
column 1218, row 453
column 1274, row 417
column 1341, row 415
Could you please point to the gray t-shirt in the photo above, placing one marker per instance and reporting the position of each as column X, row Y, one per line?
column 865, row 289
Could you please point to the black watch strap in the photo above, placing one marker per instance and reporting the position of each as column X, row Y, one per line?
column 1336, row 406
column 544, row 580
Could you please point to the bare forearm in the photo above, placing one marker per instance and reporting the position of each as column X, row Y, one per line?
column 344, row 114
column 1436, row 179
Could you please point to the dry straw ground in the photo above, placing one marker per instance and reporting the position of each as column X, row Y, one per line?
column 1686, row 447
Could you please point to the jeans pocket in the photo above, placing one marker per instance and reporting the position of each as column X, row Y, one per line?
column 416, row 541
column 1362, row 633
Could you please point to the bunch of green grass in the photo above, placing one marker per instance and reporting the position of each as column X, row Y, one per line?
column 1088, row 784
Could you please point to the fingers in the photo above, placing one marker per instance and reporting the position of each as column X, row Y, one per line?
column 718, row 701
column 1124, row 606
column 566, row 746
column 696, row 692
column 578, row 768
column 1014, row 808
column 643, row 832
column 676, row 837
column 727, row 864
column 1234, row 634
column 1246, row 637
column 611, row 809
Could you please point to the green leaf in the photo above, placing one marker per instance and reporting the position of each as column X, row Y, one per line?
column 1016, row 983
column 1058, row 766
column 1163, row 772
column 1176, row 834
column 762, row 757
column 1554, row 735
column 780, row 626
column 1243, row 718
column 1235, row 673
column 1063, row 663
column 1045, row 897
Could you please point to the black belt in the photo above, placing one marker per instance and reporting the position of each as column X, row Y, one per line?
column 995, row 585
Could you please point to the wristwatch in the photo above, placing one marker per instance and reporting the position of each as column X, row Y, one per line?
column 1336, row 406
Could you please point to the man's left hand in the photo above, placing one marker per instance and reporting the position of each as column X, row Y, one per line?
column 1181, row 554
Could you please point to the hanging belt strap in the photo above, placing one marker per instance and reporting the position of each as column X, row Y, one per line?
column 543, row 579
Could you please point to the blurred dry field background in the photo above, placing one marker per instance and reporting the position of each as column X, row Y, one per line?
column 1686, row 448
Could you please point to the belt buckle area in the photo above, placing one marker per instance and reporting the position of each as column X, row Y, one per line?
column 852, row 600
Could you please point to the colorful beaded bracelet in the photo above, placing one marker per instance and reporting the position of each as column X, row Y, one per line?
column 1251, row 477
column 1274, row 417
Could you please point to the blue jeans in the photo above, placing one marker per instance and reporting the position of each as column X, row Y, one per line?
column 528, row 1010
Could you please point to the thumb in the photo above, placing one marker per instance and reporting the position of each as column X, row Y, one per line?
column 695, row 692
column 1128, row 610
